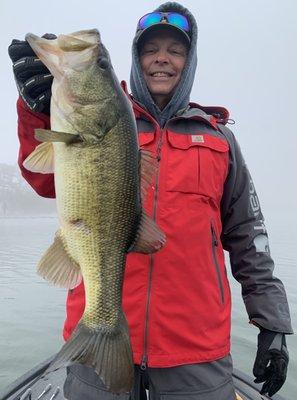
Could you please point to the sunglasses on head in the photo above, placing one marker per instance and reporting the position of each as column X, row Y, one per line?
column 173, row 18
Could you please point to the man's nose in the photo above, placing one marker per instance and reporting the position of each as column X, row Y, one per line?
column 161, row 57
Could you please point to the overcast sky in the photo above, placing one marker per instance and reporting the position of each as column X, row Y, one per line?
column 247, row 62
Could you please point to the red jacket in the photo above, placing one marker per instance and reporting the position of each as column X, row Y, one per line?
column 177, row 301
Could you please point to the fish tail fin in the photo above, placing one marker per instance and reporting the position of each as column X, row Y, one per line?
column 107, row 350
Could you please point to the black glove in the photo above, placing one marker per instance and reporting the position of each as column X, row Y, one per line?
column 32, row 78
column 271, row 361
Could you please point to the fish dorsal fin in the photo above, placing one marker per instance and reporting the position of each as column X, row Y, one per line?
column 41, row 159
column 57, row 267
column 46, row 135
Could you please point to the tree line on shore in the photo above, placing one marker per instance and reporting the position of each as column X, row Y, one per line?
column 17, row 198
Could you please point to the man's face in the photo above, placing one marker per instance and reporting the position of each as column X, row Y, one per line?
column 162, row 58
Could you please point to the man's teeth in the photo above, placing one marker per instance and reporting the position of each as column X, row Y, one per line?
column 161, row 74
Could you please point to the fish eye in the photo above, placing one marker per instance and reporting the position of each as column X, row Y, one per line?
column 103, row 62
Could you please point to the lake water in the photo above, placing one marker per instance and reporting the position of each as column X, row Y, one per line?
column 32, row 311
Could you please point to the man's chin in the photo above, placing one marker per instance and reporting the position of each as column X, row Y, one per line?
column 160, row 90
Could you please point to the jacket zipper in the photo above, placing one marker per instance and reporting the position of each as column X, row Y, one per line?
column 214, row 246
column 144, row 358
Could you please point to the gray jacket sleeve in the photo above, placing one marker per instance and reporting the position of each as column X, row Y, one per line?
column 244, row 236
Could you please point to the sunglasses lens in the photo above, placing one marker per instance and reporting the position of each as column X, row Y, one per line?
column 149, row 19
column 178, row 20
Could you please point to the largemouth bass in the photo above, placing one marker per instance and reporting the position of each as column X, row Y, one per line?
column 92, row 148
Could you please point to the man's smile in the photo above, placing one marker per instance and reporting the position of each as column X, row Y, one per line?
column 161, row 74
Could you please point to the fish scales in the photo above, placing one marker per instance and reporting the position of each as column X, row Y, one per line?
column 92, row 148
column 101, row 192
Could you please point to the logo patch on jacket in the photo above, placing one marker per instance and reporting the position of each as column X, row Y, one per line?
column 197, row 138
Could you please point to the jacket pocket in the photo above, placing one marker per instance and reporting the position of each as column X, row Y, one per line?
column 214, row 248
column 196, row 164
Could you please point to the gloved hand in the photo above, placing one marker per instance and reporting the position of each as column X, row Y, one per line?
column 271, row 361
column 32, row 78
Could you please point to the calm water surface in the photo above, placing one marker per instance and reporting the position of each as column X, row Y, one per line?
column 32, row 311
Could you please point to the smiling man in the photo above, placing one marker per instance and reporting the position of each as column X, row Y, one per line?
column 163, row 54
column 177, row 301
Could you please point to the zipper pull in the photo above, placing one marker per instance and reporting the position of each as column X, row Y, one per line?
column 143, row 364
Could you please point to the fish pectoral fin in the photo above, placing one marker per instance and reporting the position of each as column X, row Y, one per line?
column 149, row 237
column 41, row 159
column 58, row 267
column 47, row 135
column 148, row 166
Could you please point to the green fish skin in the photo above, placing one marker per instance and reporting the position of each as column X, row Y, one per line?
column 93, row 152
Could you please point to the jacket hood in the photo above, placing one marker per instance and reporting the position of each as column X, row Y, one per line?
column 181, row 96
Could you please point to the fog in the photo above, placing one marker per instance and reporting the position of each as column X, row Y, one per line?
column 247, row 62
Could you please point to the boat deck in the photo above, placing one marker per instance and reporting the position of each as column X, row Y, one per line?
column 31, row 386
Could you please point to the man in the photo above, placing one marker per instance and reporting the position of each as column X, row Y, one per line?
column 177, row 301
